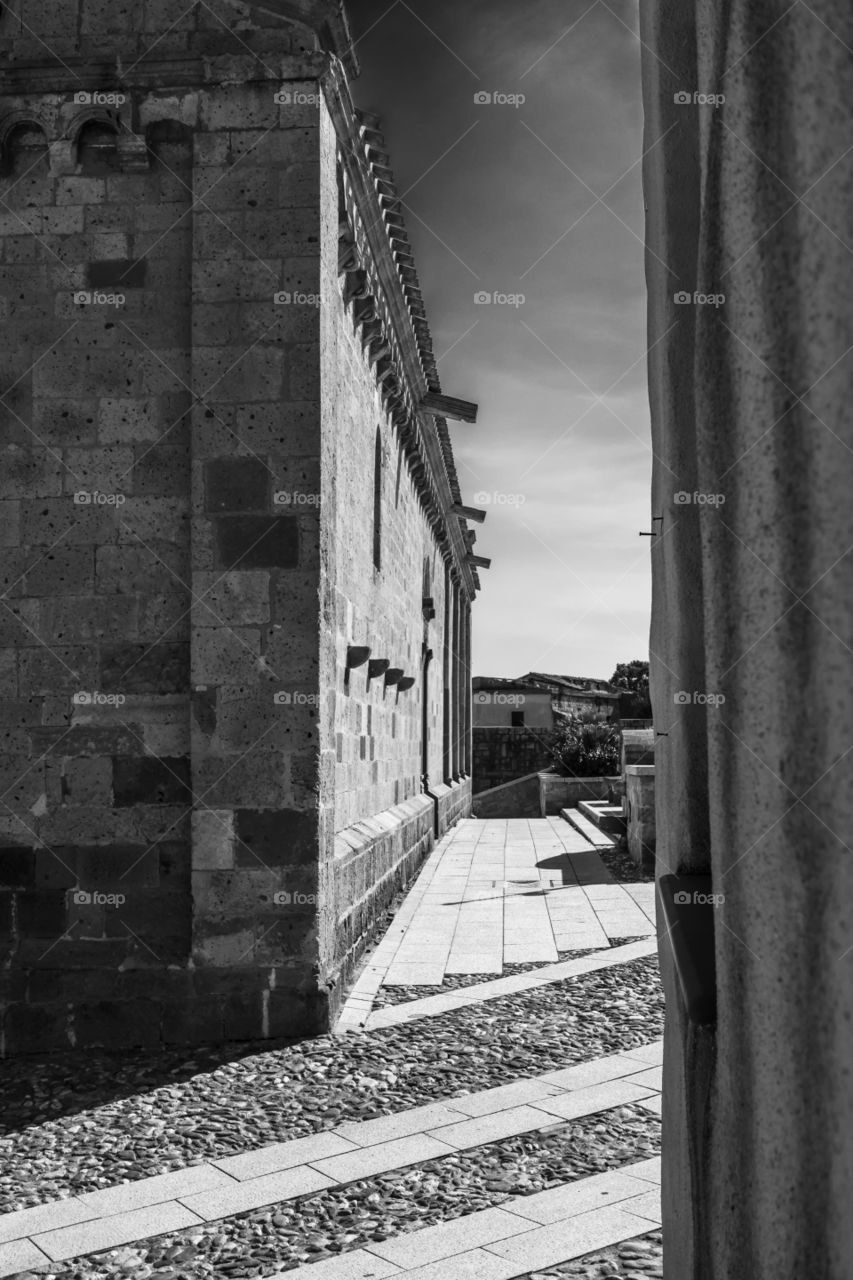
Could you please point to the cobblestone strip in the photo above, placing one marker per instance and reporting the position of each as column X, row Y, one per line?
column 498, row 1244
column 464, row 997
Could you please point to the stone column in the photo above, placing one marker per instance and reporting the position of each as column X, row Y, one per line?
column 255, row 635
column 447, row 686
column 749, row 269
column 457, row 685
column 466, row 690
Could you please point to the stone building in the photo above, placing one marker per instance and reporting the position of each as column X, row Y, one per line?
column 237, row 576
column 749, row 119
column 577, row 695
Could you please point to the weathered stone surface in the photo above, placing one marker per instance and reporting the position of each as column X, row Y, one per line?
column 750, row 402
column 181, row 291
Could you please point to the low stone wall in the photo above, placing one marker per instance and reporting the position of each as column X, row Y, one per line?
column 638, row 747
column 503, row 755
column 518, row 799
column 374, row 860
column 557, row 792
column 640, row 800
column 452, row 802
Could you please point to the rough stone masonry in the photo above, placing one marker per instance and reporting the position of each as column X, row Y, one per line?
column 236, row 593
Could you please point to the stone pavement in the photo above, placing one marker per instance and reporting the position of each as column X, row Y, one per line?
column 490, row 890
column 500, row 892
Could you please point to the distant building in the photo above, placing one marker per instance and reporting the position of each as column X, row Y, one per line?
column 510, row 704
column 576, row 695
column 514, row 721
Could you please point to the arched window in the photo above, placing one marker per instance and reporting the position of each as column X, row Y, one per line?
column 26, row 149
column 377, row 502
column 97, row 153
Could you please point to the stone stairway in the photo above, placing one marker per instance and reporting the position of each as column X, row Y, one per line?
column 599, row 822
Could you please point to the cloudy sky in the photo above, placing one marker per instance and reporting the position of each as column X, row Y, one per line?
column 537, row 204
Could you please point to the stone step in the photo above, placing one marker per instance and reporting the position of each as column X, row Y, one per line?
column 596, row 837
column 607, row 817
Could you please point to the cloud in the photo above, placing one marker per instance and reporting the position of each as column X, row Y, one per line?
column 569, row 588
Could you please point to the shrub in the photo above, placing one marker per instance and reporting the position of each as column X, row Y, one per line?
column 587, row 748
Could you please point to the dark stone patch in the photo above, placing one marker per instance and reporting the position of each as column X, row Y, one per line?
column 257, row 542
column 117, row 273
column 140, row 668
column 276, row 836
column 17, row 868
column 151, row 780
column 236, row 484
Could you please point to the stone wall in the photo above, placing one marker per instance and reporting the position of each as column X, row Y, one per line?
column 501, row 755
column 181, row 746
column 750, row 396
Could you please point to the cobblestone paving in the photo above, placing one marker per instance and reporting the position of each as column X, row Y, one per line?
column 134, row 1116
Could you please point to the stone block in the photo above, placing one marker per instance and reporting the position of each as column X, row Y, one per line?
column 147, row 780
column 231, row 599
column 87, row 781
column 117, row 274
column 17, row 868
column 257, row 542
column 260, row 777
column 237, row 484
column 61, row 572
column 130, row 569
column 159, row 668
column 225, row 655
column 213, row 840
column 128, row 421
column 282, row 837
column 162, row 470
column 42, row 913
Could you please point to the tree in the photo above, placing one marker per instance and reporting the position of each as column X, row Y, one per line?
column 632, row 679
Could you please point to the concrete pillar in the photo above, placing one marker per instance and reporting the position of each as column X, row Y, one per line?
column 749, row 268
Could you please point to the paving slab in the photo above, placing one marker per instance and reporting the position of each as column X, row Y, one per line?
column 155, row 1190
column 284, row 1155
column 570, row 1238
column 44, row 1217
column 416, row 1249
column 256, row 1192
column 356, row 1265
column 20, row 1255
column 121, row 1228
column 598, row 1097
column 579, row 1197
column 397, row 1153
